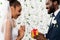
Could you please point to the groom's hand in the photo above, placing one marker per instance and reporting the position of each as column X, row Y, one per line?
column 21, row 32
column 40, row 37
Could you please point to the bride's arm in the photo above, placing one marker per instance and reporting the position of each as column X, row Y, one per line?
column 8, row 31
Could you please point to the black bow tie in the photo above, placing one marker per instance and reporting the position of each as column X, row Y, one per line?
column 53, row 15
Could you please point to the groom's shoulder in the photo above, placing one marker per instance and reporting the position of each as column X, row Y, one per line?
column 59, row 12
column 58, row 15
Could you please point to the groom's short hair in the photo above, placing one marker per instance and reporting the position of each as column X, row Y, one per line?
column 58, row 1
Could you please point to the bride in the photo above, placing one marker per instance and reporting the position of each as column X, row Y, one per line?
column 15, row 8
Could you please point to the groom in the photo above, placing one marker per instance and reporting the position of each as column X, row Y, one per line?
column 54, row 29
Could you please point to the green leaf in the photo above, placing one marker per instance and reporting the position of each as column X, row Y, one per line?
column 28, row 14
column 24, row 0
column 40, row 0
column 28, row 23
column 0, row 3
column 40, row 21
column 32, row 7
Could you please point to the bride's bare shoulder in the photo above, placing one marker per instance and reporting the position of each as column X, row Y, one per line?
column 8, row 23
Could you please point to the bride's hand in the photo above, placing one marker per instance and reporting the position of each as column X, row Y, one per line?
column 21, row 32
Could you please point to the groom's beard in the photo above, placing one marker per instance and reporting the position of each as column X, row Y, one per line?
column 52, row 10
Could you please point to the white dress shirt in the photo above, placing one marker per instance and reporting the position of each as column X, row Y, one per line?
column 55, row 14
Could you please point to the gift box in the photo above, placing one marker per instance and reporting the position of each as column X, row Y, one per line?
column 34, row 33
